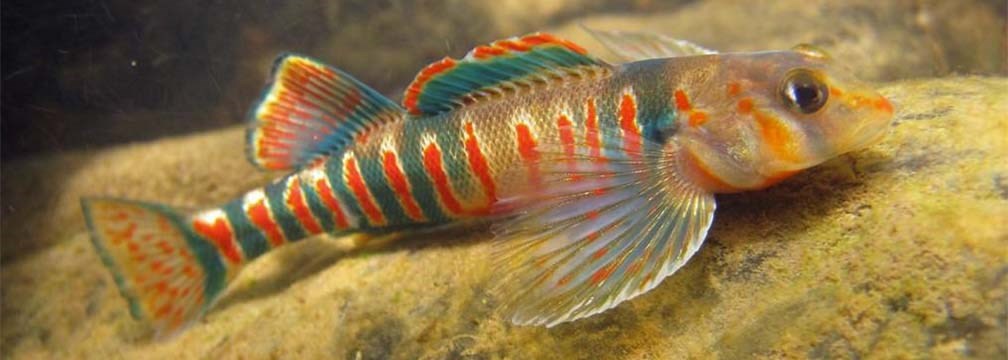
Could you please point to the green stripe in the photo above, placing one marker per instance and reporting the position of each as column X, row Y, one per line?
column 282, row 214
column 250, row 238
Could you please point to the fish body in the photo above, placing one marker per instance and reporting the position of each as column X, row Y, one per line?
column 599, row 178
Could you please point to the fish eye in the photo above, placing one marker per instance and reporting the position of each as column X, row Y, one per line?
column 802, row 91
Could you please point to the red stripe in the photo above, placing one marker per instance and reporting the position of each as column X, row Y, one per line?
column 628, row 122
column 479, row 165
column 527, row 150
column 543, row 38
column 400, row 186
column 260, row 216
column 566, row 130
column 322, row 185
column 361, row 192
column 219, row 232
column 296, row 202
column 592, row 135
column 435, row 169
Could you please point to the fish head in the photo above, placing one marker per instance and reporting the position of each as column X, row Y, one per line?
column 778, row 113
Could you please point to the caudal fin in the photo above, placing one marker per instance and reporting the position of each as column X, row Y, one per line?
column 169, row 275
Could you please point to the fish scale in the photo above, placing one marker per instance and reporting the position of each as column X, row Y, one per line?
column 598, row 178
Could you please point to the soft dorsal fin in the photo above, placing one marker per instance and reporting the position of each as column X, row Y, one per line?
column 637, row 46
column 310, row 110
column 501, row 67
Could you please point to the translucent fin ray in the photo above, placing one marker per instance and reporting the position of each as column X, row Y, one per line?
column 310, row 110
column 637, row 46
column 596, row 232
column 501, row 67
column 167, row 273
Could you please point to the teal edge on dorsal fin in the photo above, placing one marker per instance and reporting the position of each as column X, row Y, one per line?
column 501, row 67
column 310, row 110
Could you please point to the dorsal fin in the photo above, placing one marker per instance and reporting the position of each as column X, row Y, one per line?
column 637, row 46
column 501, row 67
column 310, row 110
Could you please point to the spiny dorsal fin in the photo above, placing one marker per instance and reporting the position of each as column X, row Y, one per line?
column 503, row 66
column 637, row 46
column 310, row 110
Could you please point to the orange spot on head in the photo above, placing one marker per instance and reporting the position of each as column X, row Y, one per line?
column 734, row 88
column 835, row 92
column 745, row 106
column 883, row 104
column 777, row 137
column 682, row 102
column 697, row 118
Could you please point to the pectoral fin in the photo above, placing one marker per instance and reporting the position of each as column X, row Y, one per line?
column 596, row 232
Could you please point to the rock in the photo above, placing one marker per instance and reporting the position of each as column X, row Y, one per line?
column 894, row 251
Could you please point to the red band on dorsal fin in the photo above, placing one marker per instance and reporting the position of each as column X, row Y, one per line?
column 483, row 71
column 413, row 91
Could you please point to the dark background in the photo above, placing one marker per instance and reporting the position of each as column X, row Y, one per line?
column 90, row 73
column 82, row 74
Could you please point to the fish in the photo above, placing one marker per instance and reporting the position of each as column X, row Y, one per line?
column 598, row 179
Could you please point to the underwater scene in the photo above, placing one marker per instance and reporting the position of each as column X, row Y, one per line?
column 516, row 179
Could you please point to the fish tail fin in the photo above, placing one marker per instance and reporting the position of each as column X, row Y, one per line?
column 168, row 273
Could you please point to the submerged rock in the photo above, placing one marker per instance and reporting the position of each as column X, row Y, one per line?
column 898, row 250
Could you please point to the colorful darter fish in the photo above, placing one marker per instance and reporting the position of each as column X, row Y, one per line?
column 600, row 178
